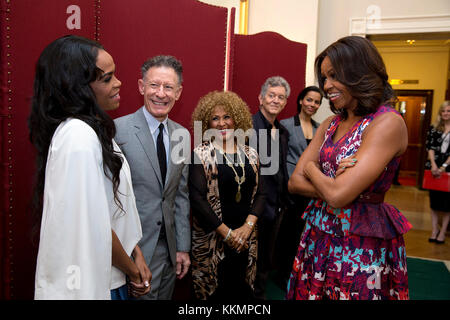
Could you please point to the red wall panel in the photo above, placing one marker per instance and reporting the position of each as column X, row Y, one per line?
column 193, row 32
column 260, row 56
column 27, row 26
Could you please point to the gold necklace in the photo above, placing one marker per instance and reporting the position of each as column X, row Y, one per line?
column 239, row 180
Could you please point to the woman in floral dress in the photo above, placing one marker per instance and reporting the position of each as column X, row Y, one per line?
column 352, row 246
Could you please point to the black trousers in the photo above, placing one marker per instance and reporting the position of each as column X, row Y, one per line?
column 267, row 237
column 231, row 278
column 290, row 231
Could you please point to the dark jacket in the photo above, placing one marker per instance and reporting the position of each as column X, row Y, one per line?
column 276, row 184
column 297, row 141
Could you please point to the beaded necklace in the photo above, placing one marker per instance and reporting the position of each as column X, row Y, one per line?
column 239, row 180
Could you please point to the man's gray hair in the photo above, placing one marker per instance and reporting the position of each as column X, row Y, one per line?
column 164, row 61
column 275, row 81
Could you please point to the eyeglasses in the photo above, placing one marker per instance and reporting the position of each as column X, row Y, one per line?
column 166, row 87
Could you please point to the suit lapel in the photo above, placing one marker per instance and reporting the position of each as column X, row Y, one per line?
column 299, row 132
column 146, row 140
column 170, row 167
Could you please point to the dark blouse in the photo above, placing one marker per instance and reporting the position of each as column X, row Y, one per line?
column 234, row 213
column 434, row 142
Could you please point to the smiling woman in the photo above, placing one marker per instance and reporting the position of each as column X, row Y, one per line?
column 347, row 168
column 106, row 87
column 438, row 147
column 83, row 195
column 222, row 121
column 226, row 199
column 365, row 81
column 337, row 92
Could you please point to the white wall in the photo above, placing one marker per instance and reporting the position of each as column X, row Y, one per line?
column 296, row 20
column 318, row 23
column 334, row 20
column 334, row 15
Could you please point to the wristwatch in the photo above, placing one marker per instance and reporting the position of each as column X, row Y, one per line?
column 444, row 165
column 251, row 224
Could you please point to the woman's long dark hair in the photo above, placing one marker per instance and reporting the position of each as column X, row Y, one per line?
column 64, row 71
column 358, row 66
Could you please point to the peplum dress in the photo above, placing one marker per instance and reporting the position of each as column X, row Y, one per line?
column 356, row 252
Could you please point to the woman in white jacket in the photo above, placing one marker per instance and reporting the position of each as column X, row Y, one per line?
column 89, row 222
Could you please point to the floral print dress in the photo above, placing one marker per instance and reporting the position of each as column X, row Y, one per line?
column 354, row 252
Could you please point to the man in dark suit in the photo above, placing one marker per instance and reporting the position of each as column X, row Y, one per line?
column 272, row 147
column 301, row 128
column 148, row 138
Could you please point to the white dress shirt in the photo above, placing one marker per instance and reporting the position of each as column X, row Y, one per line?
column 153, row 125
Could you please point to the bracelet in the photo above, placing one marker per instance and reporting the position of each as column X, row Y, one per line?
column 444, row 165
column 251, row 224
column 228, row 234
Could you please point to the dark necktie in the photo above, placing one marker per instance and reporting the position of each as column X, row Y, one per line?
column 161, row 150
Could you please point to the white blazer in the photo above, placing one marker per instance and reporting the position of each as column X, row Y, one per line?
column 74, row 258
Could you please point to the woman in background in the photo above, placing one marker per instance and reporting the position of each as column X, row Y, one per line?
column 89, row 222
column 301, row 128
column 226, row 200
column 438, row 140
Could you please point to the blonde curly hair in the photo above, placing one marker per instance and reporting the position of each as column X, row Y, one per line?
column 233, row 105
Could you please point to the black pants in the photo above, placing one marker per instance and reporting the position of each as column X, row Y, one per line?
column 291, row 228
column 267, row 236
column 231, row 277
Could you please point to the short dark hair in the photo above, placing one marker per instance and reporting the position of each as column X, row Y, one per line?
column 359, row 67
column 164, row 61
column 303, row 94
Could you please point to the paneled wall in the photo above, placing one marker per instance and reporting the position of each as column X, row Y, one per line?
column 27, row 27
column 196, row 33
column 257, row 57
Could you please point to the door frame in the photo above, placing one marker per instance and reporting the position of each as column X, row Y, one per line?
column 428, row 95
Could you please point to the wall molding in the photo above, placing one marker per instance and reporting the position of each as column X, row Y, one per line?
column 406, row 24
column 411, row 49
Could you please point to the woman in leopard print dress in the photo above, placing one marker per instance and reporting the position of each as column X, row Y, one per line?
column 226, row 200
